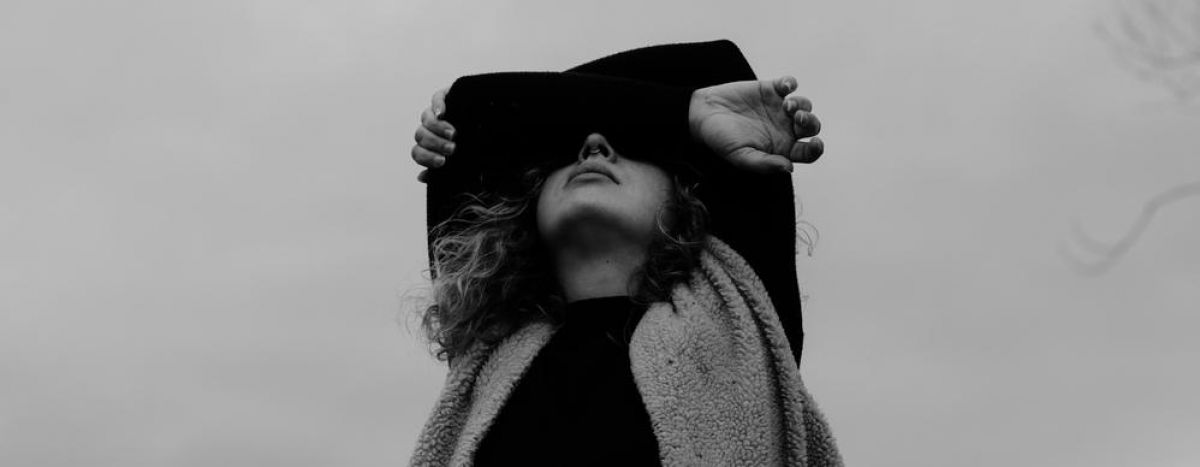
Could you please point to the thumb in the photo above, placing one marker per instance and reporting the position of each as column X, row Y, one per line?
column 754, row 160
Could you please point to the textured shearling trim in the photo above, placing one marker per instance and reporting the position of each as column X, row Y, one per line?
column 713, row 366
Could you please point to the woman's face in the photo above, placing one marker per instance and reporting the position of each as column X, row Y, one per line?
column 602, row 195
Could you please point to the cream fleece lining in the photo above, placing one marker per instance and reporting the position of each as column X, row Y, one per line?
column 713, row 367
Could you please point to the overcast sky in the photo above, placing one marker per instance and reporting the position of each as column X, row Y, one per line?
column 212, row 239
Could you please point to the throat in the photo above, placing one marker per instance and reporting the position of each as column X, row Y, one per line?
column 593, row 274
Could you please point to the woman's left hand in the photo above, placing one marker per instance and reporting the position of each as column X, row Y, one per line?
column 756, row 125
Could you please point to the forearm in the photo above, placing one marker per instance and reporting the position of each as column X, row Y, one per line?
column 545, row 111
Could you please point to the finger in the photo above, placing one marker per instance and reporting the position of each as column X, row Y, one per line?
column 438, row 103
column 757, row 161
column 432, row 142
column 427, row 158
column 807, row 152
column 794, row 103
column 439, row 127
column 785, row 85
column 423, row 177
column 805, row 124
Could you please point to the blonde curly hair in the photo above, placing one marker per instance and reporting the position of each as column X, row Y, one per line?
column 491, row 273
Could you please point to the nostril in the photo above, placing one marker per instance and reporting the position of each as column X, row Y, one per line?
column 595, row 144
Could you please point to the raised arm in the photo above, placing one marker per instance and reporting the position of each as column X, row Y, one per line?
column 759, row 126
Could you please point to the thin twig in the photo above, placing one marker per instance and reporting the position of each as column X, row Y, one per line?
column 1158, row 40
column 1108, row 254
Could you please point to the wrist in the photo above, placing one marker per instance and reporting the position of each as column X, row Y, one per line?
column 696, row 105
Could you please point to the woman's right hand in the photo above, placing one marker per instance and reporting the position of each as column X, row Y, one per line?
column 435, row 137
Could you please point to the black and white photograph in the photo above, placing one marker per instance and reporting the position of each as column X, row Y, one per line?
column 599, row 233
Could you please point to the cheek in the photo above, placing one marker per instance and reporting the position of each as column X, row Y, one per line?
column 545, row 219
column 653, row 195
column 543, row 206
column 548, row 200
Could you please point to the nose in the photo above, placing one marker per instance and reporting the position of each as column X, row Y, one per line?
column 596, row 145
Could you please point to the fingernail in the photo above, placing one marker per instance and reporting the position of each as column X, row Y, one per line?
column 789, row 106
column 440, row 161
column 449, row 147
column 438, row 111
column 450, row 133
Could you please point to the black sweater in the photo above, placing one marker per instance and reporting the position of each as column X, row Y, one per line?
column 577, row 404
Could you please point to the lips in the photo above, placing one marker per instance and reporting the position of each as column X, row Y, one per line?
column 591, row 166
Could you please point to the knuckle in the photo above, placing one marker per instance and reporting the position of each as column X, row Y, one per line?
column 423, row 156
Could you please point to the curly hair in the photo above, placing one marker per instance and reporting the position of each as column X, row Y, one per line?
column 491, row 273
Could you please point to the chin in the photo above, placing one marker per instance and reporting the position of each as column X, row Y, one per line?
column 586, row 217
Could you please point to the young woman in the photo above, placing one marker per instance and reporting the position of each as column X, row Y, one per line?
column 578, row 310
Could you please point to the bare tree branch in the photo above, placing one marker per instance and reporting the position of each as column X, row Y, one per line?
column 1158, row 40
column 1107, row 254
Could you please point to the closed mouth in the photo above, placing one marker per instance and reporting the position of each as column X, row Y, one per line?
column 592, row 167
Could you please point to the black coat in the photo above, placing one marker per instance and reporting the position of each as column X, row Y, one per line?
column 508, row 122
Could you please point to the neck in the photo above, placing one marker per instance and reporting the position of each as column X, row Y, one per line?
column 585, row 274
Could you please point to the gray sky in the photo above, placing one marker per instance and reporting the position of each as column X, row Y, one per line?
column 212, row 237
